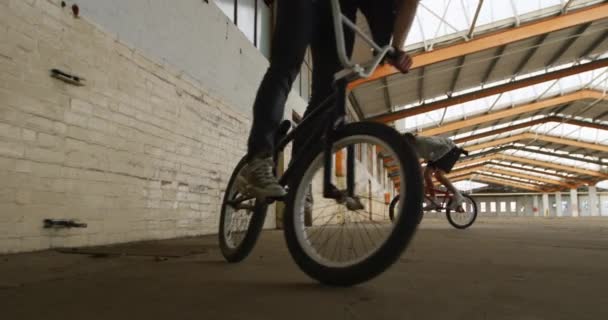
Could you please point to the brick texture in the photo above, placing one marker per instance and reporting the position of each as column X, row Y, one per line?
column 142, row 151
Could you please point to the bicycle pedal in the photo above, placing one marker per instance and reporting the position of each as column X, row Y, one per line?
column 271, row 200
column 354, row 204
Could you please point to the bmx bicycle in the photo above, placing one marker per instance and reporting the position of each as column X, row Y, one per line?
column 461, row 218
column 345, row 238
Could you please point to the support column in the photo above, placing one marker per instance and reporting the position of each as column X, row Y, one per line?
column 535, row 207
column 574, row 203
column 558, row 204
column 546, row 209
column 593, row 201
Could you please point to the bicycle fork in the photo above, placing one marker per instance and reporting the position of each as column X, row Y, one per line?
column 338, row 119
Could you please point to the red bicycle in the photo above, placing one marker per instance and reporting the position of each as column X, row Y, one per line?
column 461, row 218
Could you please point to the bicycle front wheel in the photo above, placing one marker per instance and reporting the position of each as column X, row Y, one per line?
column 465, row 216
column 241, row 220
column 346, row 245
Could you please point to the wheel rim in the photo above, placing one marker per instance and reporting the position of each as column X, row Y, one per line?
column 237, row 217
column 340, row 237
column 466, row 215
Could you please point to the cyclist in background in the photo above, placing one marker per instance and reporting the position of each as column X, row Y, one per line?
column 440, row 154
column 300, row 24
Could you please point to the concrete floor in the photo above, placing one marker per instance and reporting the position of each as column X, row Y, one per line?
column 519, row 268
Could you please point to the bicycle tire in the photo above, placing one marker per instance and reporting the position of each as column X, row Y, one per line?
column 392, row 207
column 256, row 223
column 403, row 228
column 448, row 213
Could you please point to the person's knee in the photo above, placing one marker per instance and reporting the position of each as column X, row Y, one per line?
column 427, row 175
column 284, row 71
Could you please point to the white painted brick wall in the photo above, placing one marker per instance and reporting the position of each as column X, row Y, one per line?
column 143, row 151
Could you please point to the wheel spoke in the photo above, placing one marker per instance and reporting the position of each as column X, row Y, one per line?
column 340, row 237
column 319, row 229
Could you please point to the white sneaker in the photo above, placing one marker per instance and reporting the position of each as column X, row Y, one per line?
column 431, row 205
column 456, row 201
column 258, row 179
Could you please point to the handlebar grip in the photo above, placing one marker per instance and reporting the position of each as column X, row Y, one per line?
column 392, row 53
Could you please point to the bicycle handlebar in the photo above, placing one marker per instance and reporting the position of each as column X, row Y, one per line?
column 362, row 71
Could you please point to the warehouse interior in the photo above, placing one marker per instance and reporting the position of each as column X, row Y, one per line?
column 121, row 123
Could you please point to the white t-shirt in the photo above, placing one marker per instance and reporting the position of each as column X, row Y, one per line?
column 433, row 148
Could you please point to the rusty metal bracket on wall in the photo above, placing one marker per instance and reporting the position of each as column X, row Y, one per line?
column 60, row 223
column 67, row 78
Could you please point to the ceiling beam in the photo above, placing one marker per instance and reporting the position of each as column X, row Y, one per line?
column 559, row 179
column 497, row 181
column 543, row 152
column 560, row 52
column 492, row 66
column 511, row 179
column 533, row 162
column 595, row 44
column 421, row 84
column 541, row 137
column 482, row 93
column 570, row 142
column 496, row 39
column 387, row 95
column 550, row 165
column 356, row 106
column 474, row 23
column 475, row 161
column 566, row 179
column 580, row 123
column 456, row 75
column 517, row 110
column 528, row 177
column 486, row 169
column 504, row 182
column 566, row 6
column 530, row 54
column 470, row 169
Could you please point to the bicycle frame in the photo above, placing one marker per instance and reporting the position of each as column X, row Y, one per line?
column 445, row 194
column 335, row 116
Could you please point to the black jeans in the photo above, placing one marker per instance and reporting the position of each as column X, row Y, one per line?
column 300, row 24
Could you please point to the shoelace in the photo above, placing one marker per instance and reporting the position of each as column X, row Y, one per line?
column 263, row 173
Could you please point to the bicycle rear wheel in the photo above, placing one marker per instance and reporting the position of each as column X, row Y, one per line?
column 241, row 220
column 393, row 209
column 464, row 218
column 345, row 246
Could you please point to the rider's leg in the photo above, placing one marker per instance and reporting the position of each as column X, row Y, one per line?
column 440, row 176
column 428, row 183
column 428, row 180
column 295, row 20
column 291, row 38
column 325, row 61
column 444, row 165
column 458, row 198
column 380, row 16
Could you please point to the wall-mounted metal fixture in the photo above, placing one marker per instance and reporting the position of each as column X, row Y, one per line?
column 67, row 78
column 62, row 223
column 75, row 10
